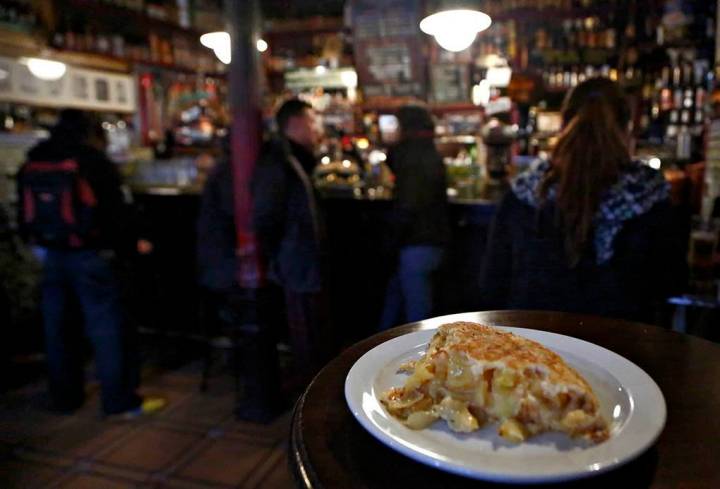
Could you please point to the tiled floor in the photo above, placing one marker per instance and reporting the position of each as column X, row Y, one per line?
column 194, row 444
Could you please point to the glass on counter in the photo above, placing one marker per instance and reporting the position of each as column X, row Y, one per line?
column 703, row 254
column 465, row 175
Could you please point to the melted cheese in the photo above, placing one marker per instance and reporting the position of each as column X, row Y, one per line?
column 463, row 380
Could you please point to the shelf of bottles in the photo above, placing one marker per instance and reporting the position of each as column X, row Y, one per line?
column 661, row 51
column 150, row 32
column 17, row 15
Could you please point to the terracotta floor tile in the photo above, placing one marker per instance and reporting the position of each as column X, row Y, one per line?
column 272, row 433
column 273, row 470
column 279, row 478
column 30, row 426
column 186, row 484
column 203, row 409
column 86, row 437
column 150, row 449
column 90, row 481
column 20, row 475
column 224, row 462
column 47, row 459
column 186, row 381
column 121, row 473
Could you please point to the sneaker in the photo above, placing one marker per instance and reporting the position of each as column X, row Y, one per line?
column 148, row 406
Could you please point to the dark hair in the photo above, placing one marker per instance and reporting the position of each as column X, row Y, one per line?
column 587, row 158
column 289, row 109
column 415, row 121
column 73, row 124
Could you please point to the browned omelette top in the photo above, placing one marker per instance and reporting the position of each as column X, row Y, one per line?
column 488, row 344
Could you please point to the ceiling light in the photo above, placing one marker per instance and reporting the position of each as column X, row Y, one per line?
column 220, row 43
column 262, row 45
column 655, row 163
column 481, row 93
column 455, row 30
column 349, row 78
column 499, row 76
column 45, row 69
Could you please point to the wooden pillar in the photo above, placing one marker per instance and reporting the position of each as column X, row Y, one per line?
column 256, row 351
column 245, row 105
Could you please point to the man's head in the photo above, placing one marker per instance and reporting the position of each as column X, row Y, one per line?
column 297, row 121
column 73, row 125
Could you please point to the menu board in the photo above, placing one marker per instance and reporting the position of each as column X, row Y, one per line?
column 388, row 48
column 450, row 83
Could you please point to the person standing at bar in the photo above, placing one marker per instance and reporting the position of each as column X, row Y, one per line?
column 420, row 226
column 73, row 213
column 590, row 230
column 288, row 228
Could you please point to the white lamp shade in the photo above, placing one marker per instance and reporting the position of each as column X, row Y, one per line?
column 499, row 76
column 481, row 93
column 220, row 43
column 455, row 30
column 46, row 69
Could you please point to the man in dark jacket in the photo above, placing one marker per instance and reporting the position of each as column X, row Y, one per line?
column 73, row 213
column 288, row 228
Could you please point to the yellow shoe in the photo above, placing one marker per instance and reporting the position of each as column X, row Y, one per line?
column 152, row 405
column 148, row 406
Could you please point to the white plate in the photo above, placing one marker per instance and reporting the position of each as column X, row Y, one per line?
column 629, row 399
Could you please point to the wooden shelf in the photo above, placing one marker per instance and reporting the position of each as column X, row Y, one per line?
column 120, row 16
column 91, row 60
column 533, row 14
column 18, row 43
column 108, row 61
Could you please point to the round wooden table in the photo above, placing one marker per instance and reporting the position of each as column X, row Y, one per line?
column 329, row 449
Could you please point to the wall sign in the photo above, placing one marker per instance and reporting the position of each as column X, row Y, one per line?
column 389, row 48
column 450, row 83
column 78, row 88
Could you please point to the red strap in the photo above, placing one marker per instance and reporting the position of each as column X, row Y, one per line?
column 86, row 194
column 75, row 242
column 66, row 208
column 28, row 205
column 68, row 165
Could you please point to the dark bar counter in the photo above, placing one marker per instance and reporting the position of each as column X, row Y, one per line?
column 359, row 257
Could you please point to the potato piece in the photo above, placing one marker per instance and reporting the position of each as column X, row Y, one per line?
column 420, row 420
column 512, row 431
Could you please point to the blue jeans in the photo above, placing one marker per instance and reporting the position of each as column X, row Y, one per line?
column 85, row 279
column 409, row 295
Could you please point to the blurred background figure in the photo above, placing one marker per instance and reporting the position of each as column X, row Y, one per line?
column 419, row 221
column 289, row 230
column 74, row 214
column 590, row 230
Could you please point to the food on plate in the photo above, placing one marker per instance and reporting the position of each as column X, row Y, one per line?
column 472, row 374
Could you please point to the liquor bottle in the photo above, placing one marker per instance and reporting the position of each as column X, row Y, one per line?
column 671, row 130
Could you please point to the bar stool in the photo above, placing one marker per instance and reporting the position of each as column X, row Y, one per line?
column 245, row 315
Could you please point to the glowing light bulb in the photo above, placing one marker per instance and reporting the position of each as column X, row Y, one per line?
column 455, row 30
column 220, row 43
column 45, row 69
column 262, row 45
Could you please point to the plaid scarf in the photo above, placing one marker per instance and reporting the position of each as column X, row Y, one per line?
column 636, row 191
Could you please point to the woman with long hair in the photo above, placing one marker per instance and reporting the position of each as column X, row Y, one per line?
column 420, row 226
column 590, row 230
